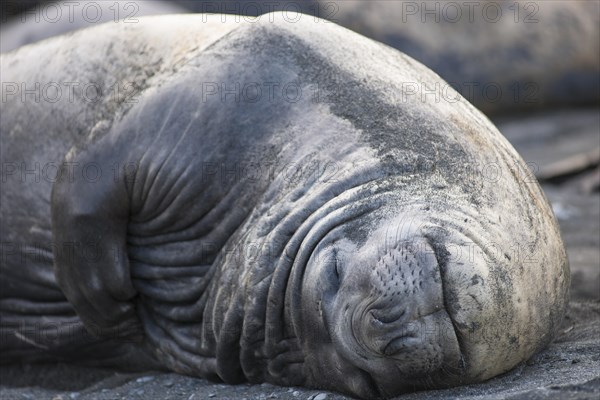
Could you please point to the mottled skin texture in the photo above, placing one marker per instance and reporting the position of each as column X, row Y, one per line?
column 351, row 238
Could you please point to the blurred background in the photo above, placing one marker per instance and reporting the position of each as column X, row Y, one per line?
column 533, row 67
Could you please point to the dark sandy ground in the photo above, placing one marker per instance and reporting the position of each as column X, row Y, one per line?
column 568, row 369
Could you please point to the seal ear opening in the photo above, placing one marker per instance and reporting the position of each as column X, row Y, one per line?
column 89, row 227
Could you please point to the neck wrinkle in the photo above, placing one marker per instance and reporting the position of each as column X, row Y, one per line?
column 268, row 332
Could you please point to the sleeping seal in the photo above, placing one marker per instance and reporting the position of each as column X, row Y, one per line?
column 266, row 202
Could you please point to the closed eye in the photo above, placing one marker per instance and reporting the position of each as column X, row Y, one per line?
column 336, row 270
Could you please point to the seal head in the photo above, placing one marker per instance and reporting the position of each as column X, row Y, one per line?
column 381, row 305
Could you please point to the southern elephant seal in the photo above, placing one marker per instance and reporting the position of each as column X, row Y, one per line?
column 255, row 205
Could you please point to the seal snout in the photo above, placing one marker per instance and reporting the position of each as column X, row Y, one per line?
column 388, row 318
column 405, row 290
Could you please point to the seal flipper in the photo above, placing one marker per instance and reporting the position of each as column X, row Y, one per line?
column 90, row 210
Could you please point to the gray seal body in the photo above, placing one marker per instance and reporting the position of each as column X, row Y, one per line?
column 265, row 202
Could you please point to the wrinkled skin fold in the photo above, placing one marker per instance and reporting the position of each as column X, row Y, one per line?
column 271, row 206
